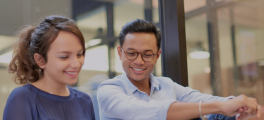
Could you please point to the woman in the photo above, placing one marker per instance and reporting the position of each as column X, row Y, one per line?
column 47, row 59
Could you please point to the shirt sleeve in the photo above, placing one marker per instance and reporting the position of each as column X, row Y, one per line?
column 17, row 106
column 115, row 103
column 186, row 94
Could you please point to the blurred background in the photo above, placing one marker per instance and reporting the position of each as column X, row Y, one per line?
column 238, row 32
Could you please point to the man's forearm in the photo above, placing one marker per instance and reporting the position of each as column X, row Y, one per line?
column 181, row 111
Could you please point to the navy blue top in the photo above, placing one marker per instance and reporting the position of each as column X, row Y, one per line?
column 30, row 103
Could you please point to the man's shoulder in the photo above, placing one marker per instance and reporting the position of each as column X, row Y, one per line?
column 109, row 87
column 114, row 81
column 165, row 80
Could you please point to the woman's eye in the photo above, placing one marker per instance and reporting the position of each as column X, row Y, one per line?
column 64, row 57
column 79, row 55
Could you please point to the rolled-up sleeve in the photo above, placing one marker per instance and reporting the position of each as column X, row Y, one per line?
column 114, row 103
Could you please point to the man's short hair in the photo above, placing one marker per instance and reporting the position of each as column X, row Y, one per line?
column 139, row 26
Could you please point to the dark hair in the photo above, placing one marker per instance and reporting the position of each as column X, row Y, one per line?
column 139, row 26
column 38, row 40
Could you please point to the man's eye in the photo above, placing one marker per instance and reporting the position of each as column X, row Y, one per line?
column 147, row 55
column 131, row 53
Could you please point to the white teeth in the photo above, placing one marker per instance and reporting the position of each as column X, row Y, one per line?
column 72, row 73
column 137, row 69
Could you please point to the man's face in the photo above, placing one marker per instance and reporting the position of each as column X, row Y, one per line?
column 138, row 70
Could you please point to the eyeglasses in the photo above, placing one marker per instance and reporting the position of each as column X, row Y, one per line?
column 145, row 55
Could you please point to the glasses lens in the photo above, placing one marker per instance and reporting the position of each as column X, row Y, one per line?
column 147, row 55
column 131, row 54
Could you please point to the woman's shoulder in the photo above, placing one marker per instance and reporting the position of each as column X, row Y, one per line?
column 23, row 90
column 20, row 102
column 80, row 94
column 23, row 93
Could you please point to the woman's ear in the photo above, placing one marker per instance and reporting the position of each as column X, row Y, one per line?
column 40, row 60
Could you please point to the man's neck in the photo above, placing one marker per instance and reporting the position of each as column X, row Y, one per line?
column 143, row 85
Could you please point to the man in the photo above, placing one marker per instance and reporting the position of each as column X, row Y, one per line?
column 138, row 95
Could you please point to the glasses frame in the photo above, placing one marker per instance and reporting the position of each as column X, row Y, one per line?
column 137, row 55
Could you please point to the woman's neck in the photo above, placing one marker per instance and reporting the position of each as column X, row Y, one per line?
column 52, row 87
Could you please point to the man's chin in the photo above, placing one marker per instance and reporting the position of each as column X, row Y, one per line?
column 138, row 78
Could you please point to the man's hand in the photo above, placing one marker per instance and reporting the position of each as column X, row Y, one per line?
column 244, row 116
column 243, row 105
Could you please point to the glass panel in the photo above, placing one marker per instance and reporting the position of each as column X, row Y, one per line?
column 198, row 65
column 155, row 5
column 241, row 43
column 239, row 32
column 190, row 5
column 121, row 10
column 93, row 26
column 158, row 67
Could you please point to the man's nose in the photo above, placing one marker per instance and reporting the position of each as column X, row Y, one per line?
column 139, row 60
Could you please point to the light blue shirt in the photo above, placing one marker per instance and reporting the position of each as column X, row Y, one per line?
column 119, row 99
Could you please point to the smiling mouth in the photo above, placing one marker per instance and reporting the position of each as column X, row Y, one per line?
column 71, row 73
column 138, row 69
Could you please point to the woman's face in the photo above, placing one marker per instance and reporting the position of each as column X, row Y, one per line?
column 64, row 59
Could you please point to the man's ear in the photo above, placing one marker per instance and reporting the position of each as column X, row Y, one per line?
column 40, row 60
column 119, row 50
column 158, row 53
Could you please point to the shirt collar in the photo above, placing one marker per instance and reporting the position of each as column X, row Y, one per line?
column 154, row 83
